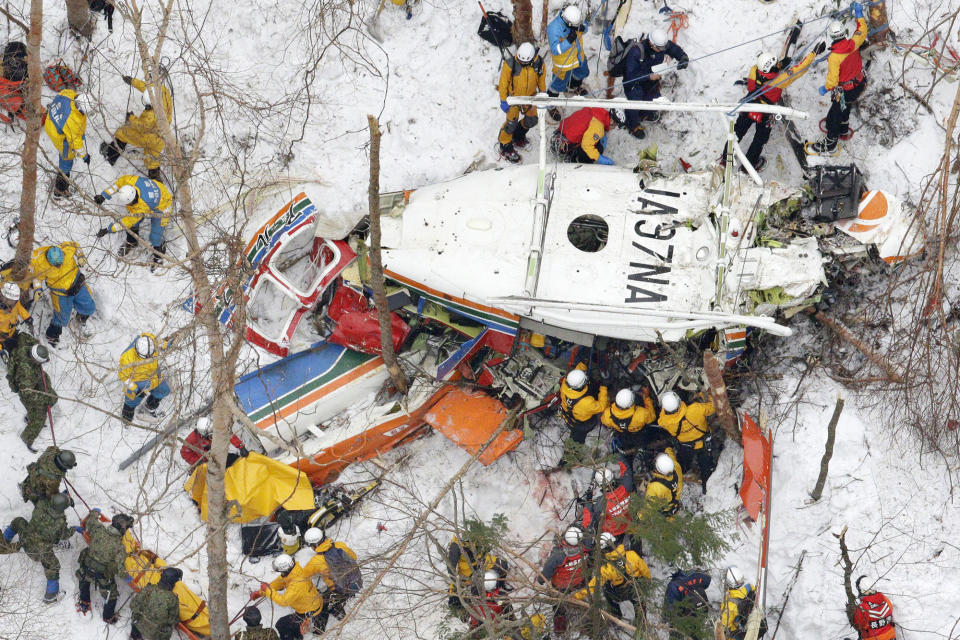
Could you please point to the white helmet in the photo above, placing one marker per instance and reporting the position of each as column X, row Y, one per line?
column 145, row 346
column 836, row 30
column 526, row 52
column 658, row 38
column 577, row 379
column 766, row 61
column 572, row 536
column 10, row 291
column 624, row 398
column 490, row 580
column 204, row 426
column 603, row 477
column 283, row 563
column 126, row 194
column 607, row 540
column 39, row 353
column 670, row 402
column 314, row 536
column 733, row 577
column 664, row 464
column 81, row 102
column 572, row 15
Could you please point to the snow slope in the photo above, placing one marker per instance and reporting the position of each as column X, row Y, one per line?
column 433, row 92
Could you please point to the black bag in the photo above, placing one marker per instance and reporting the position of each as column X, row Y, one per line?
column 496, row 30
column 15, row 61
column 617, row 60
column 258, row 540
column 344, row 571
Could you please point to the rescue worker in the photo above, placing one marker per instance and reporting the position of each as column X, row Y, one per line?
column 628, row 421
column 611, row 511
column 294, row 589
column 143, row 197
column 58, row 266
column 66, row 126
column 738, row 602
column 688, row 424
column 155, row 610
column 494, row 606
column 640, row 82
column 12, row 313
column 846, row 79
column 521, row 75
column 619, row 574
column 139, row 371
column 141, row 131
column 45, row 473
column 765, row 82
column 336, row 564
column 666, row 484
column 582, row 136
column 198, row 442
column 570, row 68
column 254, row 630
column 578, row 409
column 685, row 604
column 102, row 561
column 463, row 560
column 47, row 528
column 565, row 568
column 289, row 532
column 873, row 617
column 28, row 379
column 103, row 6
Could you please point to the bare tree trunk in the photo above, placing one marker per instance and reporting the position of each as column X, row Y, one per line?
column 522, row 21
column 718, row 394
column 845, row 333
column 828, row 451
column 376, row 263
column 33, row 111
column 544, row 19
column 847, row 576
column 78, row 17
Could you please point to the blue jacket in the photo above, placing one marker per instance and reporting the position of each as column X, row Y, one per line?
column 681, row 584
column 566, row 55
column 640, row 63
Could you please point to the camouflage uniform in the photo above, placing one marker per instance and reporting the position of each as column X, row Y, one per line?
column 100, row 562
column 43, row 477
column 256, row 633
column 156, row 612
column 46, row 528
column 36, row 393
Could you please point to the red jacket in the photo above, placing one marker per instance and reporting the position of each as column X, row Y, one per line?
column 616, row 504
column 873, row 618
column 195, row 443
column 490, row 609
column 575, row 125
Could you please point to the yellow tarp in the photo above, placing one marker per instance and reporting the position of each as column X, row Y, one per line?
column 257, row 485
column 144, row 568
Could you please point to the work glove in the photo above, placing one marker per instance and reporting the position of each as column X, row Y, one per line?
column 604, row 160
column 127, row 80
column 504, row 106
column 99, row 198
column 244, row 452
column 264, row 586
column 819, row 48
column 741, row 82
column 129, row 115
column 683, row 64
column 572, row 36
column 255, row 594
column 79, row 529
column 857, row 9
column 823, row 91
column 103, row 232
column 86, row 159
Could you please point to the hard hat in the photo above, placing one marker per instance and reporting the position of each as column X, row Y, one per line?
column 624, row 398
column 39, row 353
column 664, row 464
column 603, row 477
column 670, row 402
column 577, row 379
column 525, row 53
column 766, row 61
column 65, row 460
column 54, row 256
column 658, row 38
column 204, row 426
column 13, row 234
column 572, row 536
column 59, row 501
column 170, row 576
column 490, row 580
column 836, row 30
column 81, row 102
column 607, row 540
column 126, row 194
column 538, row 340
column 572, row 15
column 10, row 291
column 733, row 577
column 145, row 346
column 251, row 616
column 314, row 536
column 283, row 563
column 121, row 522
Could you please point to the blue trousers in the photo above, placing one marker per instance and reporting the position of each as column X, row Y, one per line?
column 561, row 83
column 133, row 397
column 156, row 232
column 641, row 90
column 63, row 306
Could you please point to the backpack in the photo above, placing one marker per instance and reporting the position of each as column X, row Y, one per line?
column 617, row 60
column 344, row 571
column 59, row 76
column 496, row 28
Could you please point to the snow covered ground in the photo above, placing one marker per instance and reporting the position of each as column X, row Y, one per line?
column 434, row 95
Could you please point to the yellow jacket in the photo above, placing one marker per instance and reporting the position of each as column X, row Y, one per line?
column 631, row 419
column 665, row 490
column 569, row 59
column 295, row 590
column 318, row 563
column 146, row 122
column 788, row 76
column 464, row 566
column 620, row 562
column 10, row 318
column 731, row 608
column 577, row 406
column 140, row 208
column 133, row 368
column 61, row 278
column 74, row 127
column 521, row 80
column 688, row 423
column 836, row 58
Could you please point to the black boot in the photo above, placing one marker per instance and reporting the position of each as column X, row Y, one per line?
column 127, row 414
column 154, row 174
column 61, row 188
column 111, row 151
column 83, row 599
column 53, row 334
column 128, row 245
column 109, row 611
column 153, row 404
column 158, row 256
column 554, row 112
column 508, row 153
